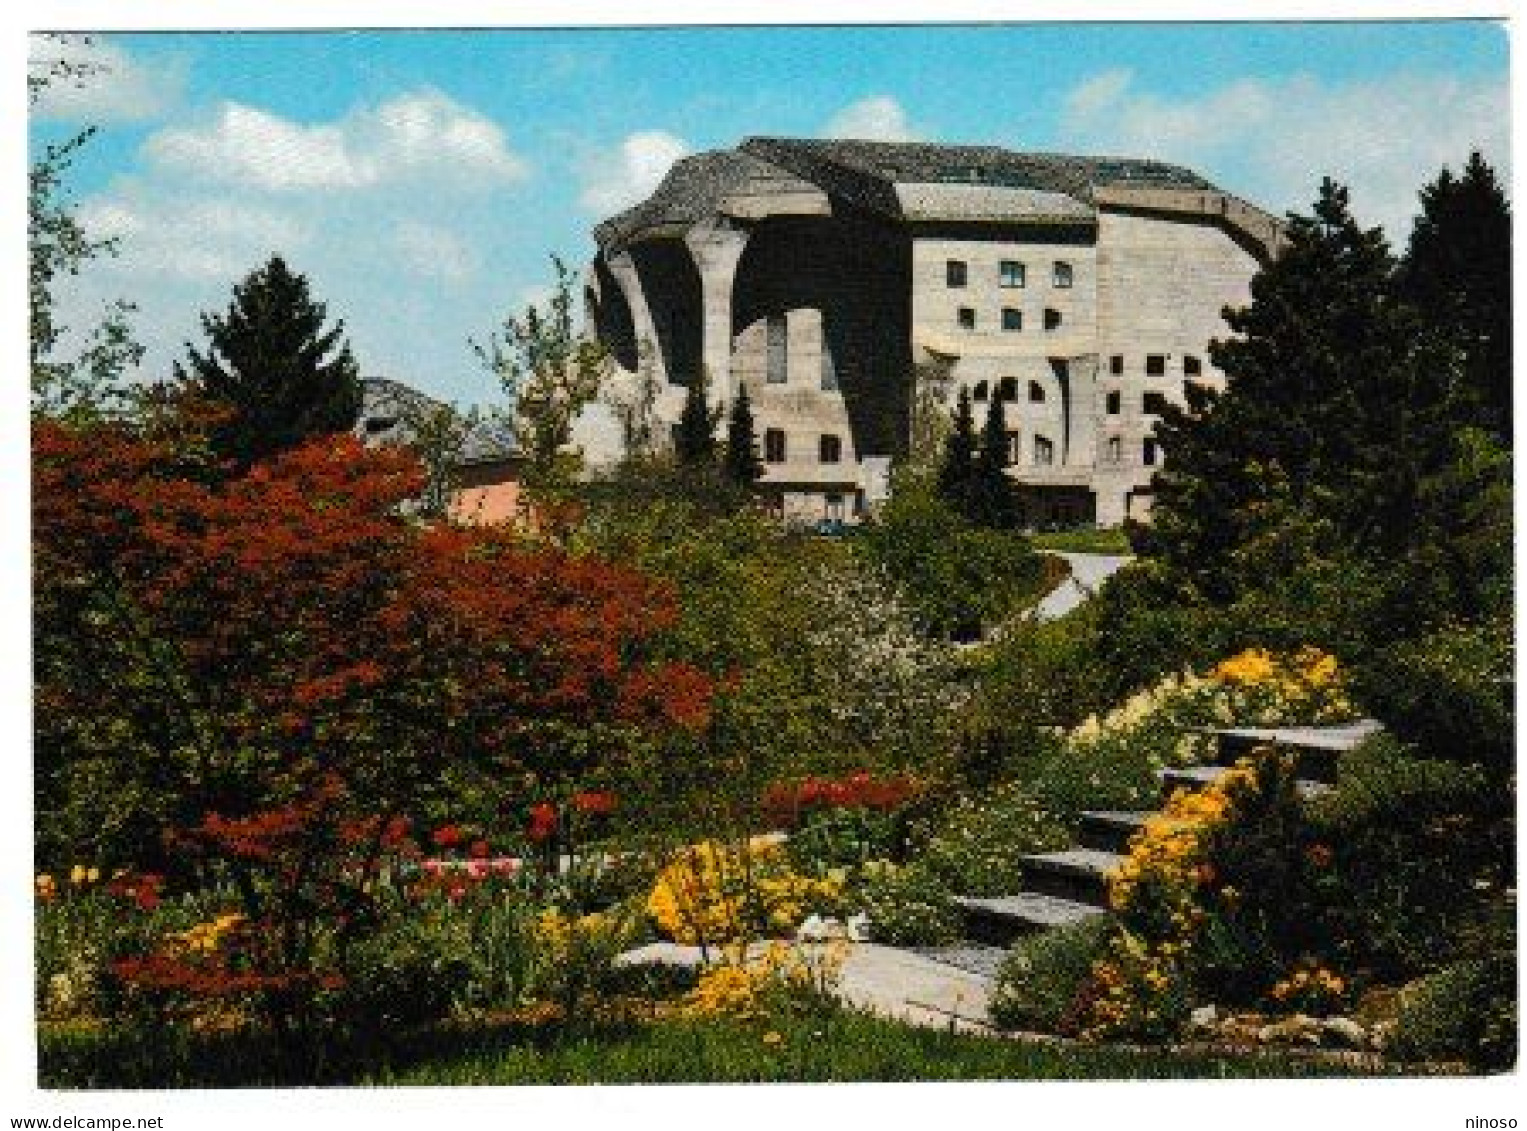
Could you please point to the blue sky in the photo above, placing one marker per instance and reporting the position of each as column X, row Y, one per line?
column 421, row 179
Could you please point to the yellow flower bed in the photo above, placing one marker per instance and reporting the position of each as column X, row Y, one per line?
column 714, row 893
column 742, row 987
column 1166, row 892
column 206, row 938
column 1306, row 686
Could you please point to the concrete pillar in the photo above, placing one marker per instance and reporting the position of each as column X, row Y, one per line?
column 623, row 267
column 716, row 251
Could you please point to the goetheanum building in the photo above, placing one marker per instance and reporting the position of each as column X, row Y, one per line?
column 1082, row 291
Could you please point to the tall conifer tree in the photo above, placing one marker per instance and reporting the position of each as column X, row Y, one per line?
column 957, row 470
column 740, row 463
column 275, row 366
column 694, row 440
column 990, row 500
column 1339, row 404
column 1457, row 274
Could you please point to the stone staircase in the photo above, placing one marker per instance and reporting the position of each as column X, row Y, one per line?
column 1061, row 888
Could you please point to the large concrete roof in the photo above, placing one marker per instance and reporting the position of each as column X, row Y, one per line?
column 389, row 408
column 897, row 180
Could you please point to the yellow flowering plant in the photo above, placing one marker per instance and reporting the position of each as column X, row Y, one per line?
column 1212, row 896
column 1110, row 760
column 754, row 983
column 713, row 893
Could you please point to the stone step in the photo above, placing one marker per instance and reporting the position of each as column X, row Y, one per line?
column 1201, row 777
column 1318, row 749
column 981, row 959
column 1110, row 830
column 998, row 920
column 1079, row 875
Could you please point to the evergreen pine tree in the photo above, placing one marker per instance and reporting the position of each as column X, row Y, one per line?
column 1339, row 403
column 957, row 471
column 694, row 441
column 990, row 501
column 272, row 363
column 740, row 463
column 1457, row 274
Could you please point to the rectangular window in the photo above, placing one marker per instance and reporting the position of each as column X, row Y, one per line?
column 1044, row 451
column 1191, row 366
column 777, row 349
column 1148, row 452
column 1154, row 404
column 1116, row 364
column 955, row 272
column 1010, row 273
column 1060, row 275
column 1155, row 364
column 1114, row 403
column 774, row 445
column 830, row 449
column 1012, row 319
column 1052, row 320
column 967, row 318
column 1014, row 446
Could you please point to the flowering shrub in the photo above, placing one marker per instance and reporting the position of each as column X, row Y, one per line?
column 973, row 848
column 1215, row 896
column 1267, row 689
column 840, row 822
column 749, row 985
column 1110, row 760
column 906, row 904
column 1310, row 988
column 84, row 923
column 712, row 893
column 791, row 805
column 273, row 667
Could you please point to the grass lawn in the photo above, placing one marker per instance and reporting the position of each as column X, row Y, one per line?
column 1084, row 541
column 831, row 1047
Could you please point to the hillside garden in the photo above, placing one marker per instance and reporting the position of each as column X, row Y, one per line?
column 327, row 792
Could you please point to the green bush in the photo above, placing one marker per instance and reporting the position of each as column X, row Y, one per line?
column 958, row 578
column 906, row 906
column 1038, row 985
column 1450, row 694
column 407, row 972
column 1418, row 861
column 1465, row 1012
column 974, row 846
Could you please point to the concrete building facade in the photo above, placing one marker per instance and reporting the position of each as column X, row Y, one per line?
column 1082, row 291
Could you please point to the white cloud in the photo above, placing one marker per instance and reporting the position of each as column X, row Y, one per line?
column 108, row 84
column 1273, row 140
column 415, row 136
column 876, row 118
column 434, row 253
column 615, row 181
column 190, row 237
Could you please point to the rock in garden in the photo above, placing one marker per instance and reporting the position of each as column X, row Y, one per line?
column 1298, row 1029
column 1346, row 1031
column 1204, row 1018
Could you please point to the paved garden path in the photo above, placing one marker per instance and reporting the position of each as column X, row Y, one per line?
column 1088, row 571
column 886, row 980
